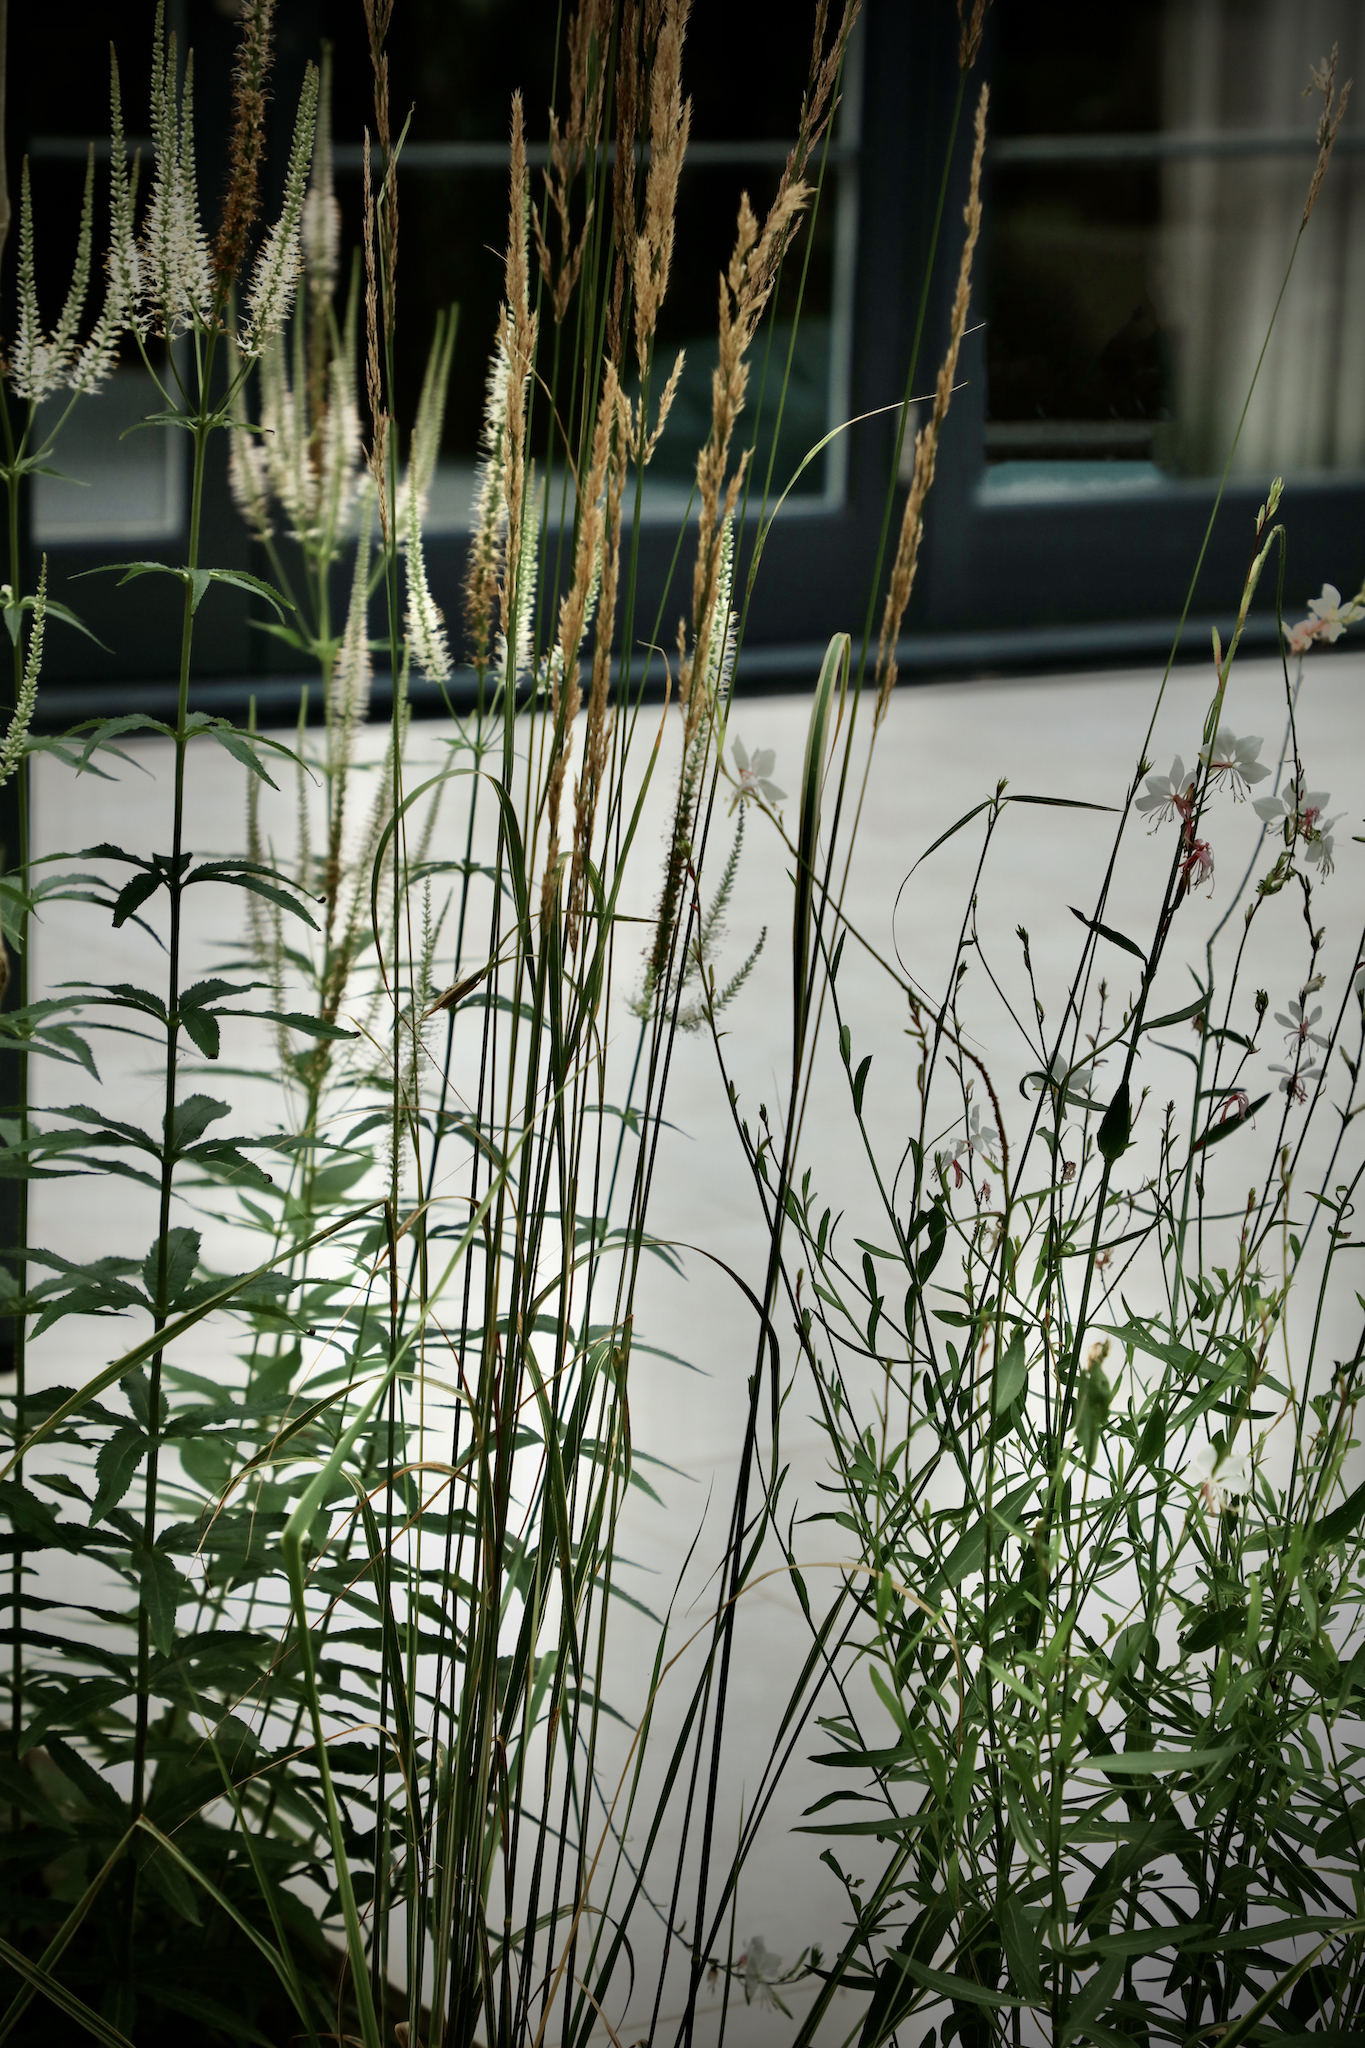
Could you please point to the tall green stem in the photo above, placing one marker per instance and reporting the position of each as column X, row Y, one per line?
column 175, row 888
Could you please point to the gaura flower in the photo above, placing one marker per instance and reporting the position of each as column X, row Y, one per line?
column 1295, row 1084
column 1076, row 1083
column 1304, row 812
column 1299, row 1026
column 979, row 1139
column 1169, row 796
column 1227, row 755
column 761, row 1966
column 1219, row 1475
column 1236, row 1105
column 1330, row 618
column 754, row 772
column 1197, row 867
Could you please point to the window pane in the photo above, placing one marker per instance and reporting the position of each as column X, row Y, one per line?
column 1148, row 183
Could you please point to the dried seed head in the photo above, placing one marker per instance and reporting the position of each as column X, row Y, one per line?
column 927, row 439
column 1323, row 80
column 247, row 151
column 670, row 122
column 970, row 26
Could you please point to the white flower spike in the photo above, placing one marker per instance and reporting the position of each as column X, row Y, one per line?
column 277, row 267
column 16, row 738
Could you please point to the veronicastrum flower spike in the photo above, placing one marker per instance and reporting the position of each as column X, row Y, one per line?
column 177, row 278
column 426, row 627
column 16, row 738
column 271, row 293
column 40, row 365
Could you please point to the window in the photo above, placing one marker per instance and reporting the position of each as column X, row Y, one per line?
column 1146, row 170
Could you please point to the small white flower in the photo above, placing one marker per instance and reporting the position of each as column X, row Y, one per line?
column 1219, row 1475
column 1298, row 1026
column 1304, row 812
column 761, row 1966
column 1076, row 1083
column 1296, row 1085
column 979, row 1139
column 1227, row 755
column 1332, row 615
column 1358, row 981
column 754, row 773
column 1169, row 796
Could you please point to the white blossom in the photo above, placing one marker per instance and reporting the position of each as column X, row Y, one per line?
column 761, row 1967
column 1329, row 620
column 426, row 627
column 1169, row 796
column 754, row 772
column 177, row 278
column 271, row 294
column 16, row 737
column 1077, row 1084
column 1295, row 1084
column 1299, row 1026
column 1236, row 759
column 984, row 1139
column 1219, row 1475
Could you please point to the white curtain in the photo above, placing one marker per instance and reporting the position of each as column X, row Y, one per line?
column 1228, row 227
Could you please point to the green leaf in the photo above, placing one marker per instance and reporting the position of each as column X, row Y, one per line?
column 163, row 1589
column 948, row 1985
column 1113, row 1134
column 297, row 1020
column 1092, row 1409
column 1019, row 1938
column 860, row 1082
column 232, row 742
column 1342, row 1520
column 1215, row 1133
column 118, row 1460
column 201, row 1027
column 239, row 579
column 192, row 1117
column 1011, row 1374
column 1150, row 1763
column 133, row 895
column 1193, row 1009
column 1106, row 931
column 182, row 1256
column 1152, row 1443
column 65, row 2001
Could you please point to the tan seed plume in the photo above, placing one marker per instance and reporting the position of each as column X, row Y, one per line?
column 970, row 27
column 598, row 737
column 247, row 151
column 670, row 123
column 1323, row 80
column 927, row 439
column 623, row 171
column 566, row 695
column 379, row 419
column 589, row 27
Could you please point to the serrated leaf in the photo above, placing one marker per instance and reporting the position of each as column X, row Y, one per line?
column 192, row 1117
column 182, row 1256
column 118, row 1460
column 201, row 1027
column 163, row 1588
column 133, row 895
